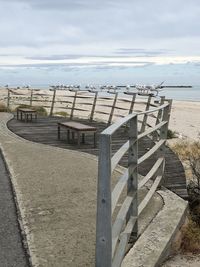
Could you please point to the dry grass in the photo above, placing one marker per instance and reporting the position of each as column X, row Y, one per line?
column 3, row 107
column 189, row 154
column 61, row 113
column 185, row 149
column 191, row 237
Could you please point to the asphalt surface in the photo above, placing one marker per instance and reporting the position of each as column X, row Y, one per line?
column 12, row 253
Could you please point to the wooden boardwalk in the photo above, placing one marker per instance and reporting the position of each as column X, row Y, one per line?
column 44, row 131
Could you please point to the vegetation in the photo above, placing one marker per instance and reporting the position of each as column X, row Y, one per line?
column 171, row 134
column 40, row 110
column 191, row 237
column 62, row 113
column 3, row 107
column 189, row 153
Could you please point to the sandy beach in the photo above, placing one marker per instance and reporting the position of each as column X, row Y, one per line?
column 185, row 119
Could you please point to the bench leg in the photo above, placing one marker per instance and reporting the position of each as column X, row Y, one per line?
column 68, row 136
column 58, row 132
column 72, row 136
column 95, row 139
column 26, row 117
column 79, row 141
column 83, row 138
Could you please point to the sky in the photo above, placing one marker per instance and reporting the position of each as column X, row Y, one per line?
column 99, row 42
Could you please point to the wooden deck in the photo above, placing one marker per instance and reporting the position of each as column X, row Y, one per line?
column 44, row 131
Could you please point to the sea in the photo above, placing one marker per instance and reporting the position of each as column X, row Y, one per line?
column 176, row 93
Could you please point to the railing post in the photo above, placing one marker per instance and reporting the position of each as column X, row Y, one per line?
column 8, row 100
column 31, row 97
column 112, row 109
column 145, row 115
column 132, row 183
column 163, row 136
column 103, row 221
column 53, row 102
column 132, row 103
column 93, row 106
column 73, row 105
column 159, row 115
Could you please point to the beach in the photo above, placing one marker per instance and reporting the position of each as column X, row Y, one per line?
column 185, row 119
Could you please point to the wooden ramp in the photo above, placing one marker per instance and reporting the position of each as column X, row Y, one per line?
column 44, row 131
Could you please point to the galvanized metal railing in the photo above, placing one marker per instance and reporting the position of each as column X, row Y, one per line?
column 113, row 232
column 91, row 104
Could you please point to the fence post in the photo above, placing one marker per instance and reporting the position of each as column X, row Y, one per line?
column 163, row 136
column 132, row 183
column 103, row 220
column 112, row 109
column 31, row 97
column 93, row 106
column 145, row 115
column 8, row 100
column 53, row 102
column 73, row 105
column 132, row 103
column 162, row 100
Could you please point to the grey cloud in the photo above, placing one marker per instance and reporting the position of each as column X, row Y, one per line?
column 142, row 52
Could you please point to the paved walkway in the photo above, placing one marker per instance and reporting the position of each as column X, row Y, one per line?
column 56, row 195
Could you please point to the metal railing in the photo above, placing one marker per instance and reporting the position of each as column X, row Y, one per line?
column 113, row 232
column 92, row 105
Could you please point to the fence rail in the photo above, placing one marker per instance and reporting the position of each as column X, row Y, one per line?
column 92, row 104
column 117, row 221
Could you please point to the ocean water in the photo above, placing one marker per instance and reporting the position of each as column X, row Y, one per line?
column 187, row 94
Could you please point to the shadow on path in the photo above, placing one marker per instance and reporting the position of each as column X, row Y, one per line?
column 12, row 253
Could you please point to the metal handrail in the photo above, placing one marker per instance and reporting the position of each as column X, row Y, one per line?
column 112, row 239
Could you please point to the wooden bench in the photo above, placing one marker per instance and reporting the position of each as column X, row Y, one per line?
column 26, row 113
column 78, row 128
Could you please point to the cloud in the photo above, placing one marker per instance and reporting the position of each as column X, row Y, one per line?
column 98, row 34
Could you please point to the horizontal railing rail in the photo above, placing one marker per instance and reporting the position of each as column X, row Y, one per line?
column 117, row 207
column 92, row 104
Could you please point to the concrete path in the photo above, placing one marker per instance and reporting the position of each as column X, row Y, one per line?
column 12, row 252
column 56, row 196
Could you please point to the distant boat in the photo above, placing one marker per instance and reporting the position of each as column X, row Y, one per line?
column 149, row 90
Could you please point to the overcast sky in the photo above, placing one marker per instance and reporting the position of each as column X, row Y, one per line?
column 107, row 41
